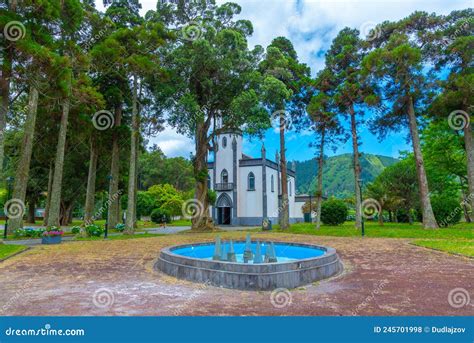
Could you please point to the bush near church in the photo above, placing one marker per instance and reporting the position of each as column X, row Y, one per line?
column 447, row 210
column 160, row 216
column 334, row 212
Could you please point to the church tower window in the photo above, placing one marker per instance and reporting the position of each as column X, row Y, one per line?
column 224, row 176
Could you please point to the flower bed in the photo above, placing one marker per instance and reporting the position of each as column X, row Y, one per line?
column 52, row 235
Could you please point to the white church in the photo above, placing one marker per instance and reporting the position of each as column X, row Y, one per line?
column 248, row 189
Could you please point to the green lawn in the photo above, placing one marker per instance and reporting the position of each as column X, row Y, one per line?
column 455, row 247
column 8, row 250
column 388, row 230
column 121, row 237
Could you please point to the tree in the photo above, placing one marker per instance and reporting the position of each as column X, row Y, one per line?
column 71, row 15
column 343, row 60
column 284, row 93
column 395, row 71
column 396, row 187
column 156, row 168
column 32, row 52
column 213, row 83
column 326, row 125
column 454, row 101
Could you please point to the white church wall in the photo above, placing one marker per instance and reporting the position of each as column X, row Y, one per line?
column 250, row 203
column 298, row 210
column 272, row 197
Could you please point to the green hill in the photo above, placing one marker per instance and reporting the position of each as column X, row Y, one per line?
column 338, row 175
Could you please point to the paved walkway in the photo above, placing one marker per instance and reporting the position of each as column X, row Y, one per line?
column 381, row 277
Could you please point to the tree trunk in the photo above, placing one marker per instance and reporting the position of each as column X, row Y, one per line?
column 23, row 168
column 132, row 177
column 113, row 212
column 357, row 169
column 390, row 217
column 54, row 210
column 48, row 196
column 429, row 221
column 381, row 216
column 4, row 101
column 319, row 191
column 199, row 209
column 468, row 143
column 284, row 208
column 31, row 211
column 91, row 178
column 66, row 213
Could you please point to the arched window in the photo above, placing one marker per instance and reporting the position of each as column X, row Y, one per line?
column 224, row 176
column 289, row 188
column 272, row 184
column 209, row 182
column 224, row 142
column 251, row 182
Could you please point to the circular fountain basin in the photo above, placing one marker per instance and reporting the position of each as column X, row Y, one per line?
column 297, row 264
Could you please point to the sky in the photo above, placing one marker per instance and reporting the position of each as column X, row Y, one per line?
column 311, row 25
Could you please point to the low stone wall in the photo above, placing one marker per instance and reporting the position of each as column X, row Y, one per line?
column 264, row 276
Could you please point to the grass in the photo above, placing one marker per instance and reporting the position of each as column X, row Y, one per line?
column 458, row 247
column 9, row 250
column 388, row 230
column 121, row 237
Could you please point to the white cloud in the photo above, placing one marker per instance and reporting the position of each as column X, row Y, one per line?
column 172, row 143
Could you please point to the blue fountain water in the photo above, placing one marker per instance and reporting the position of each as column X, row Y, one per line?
column 283, row 252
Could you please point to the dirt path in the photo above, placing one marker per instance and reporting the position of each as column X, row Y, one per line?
column 381, row 277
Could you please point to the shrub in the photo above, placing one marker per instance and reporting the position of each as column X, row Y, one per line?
column 75, row 230
column 94, row 230
column 403, row 216
column 120, row 227
column 211, row 197
column 27, row 232
column 160, row 216
column 333, row 212
column 447, row 210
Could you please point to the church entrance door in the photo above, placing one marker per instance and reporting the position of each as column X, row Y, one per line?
column 223, row 215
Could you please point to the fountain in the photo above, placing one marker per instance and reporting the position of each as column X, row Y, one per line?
column 250, row 265
column 248, row 255
column 217, row 249
column 231, row 253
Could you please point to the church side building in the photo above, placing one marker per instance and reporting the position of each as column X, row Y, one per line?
column 248, row 189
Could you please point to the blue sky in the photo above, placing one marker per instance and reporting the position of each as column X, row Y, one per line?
column 311, row 25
